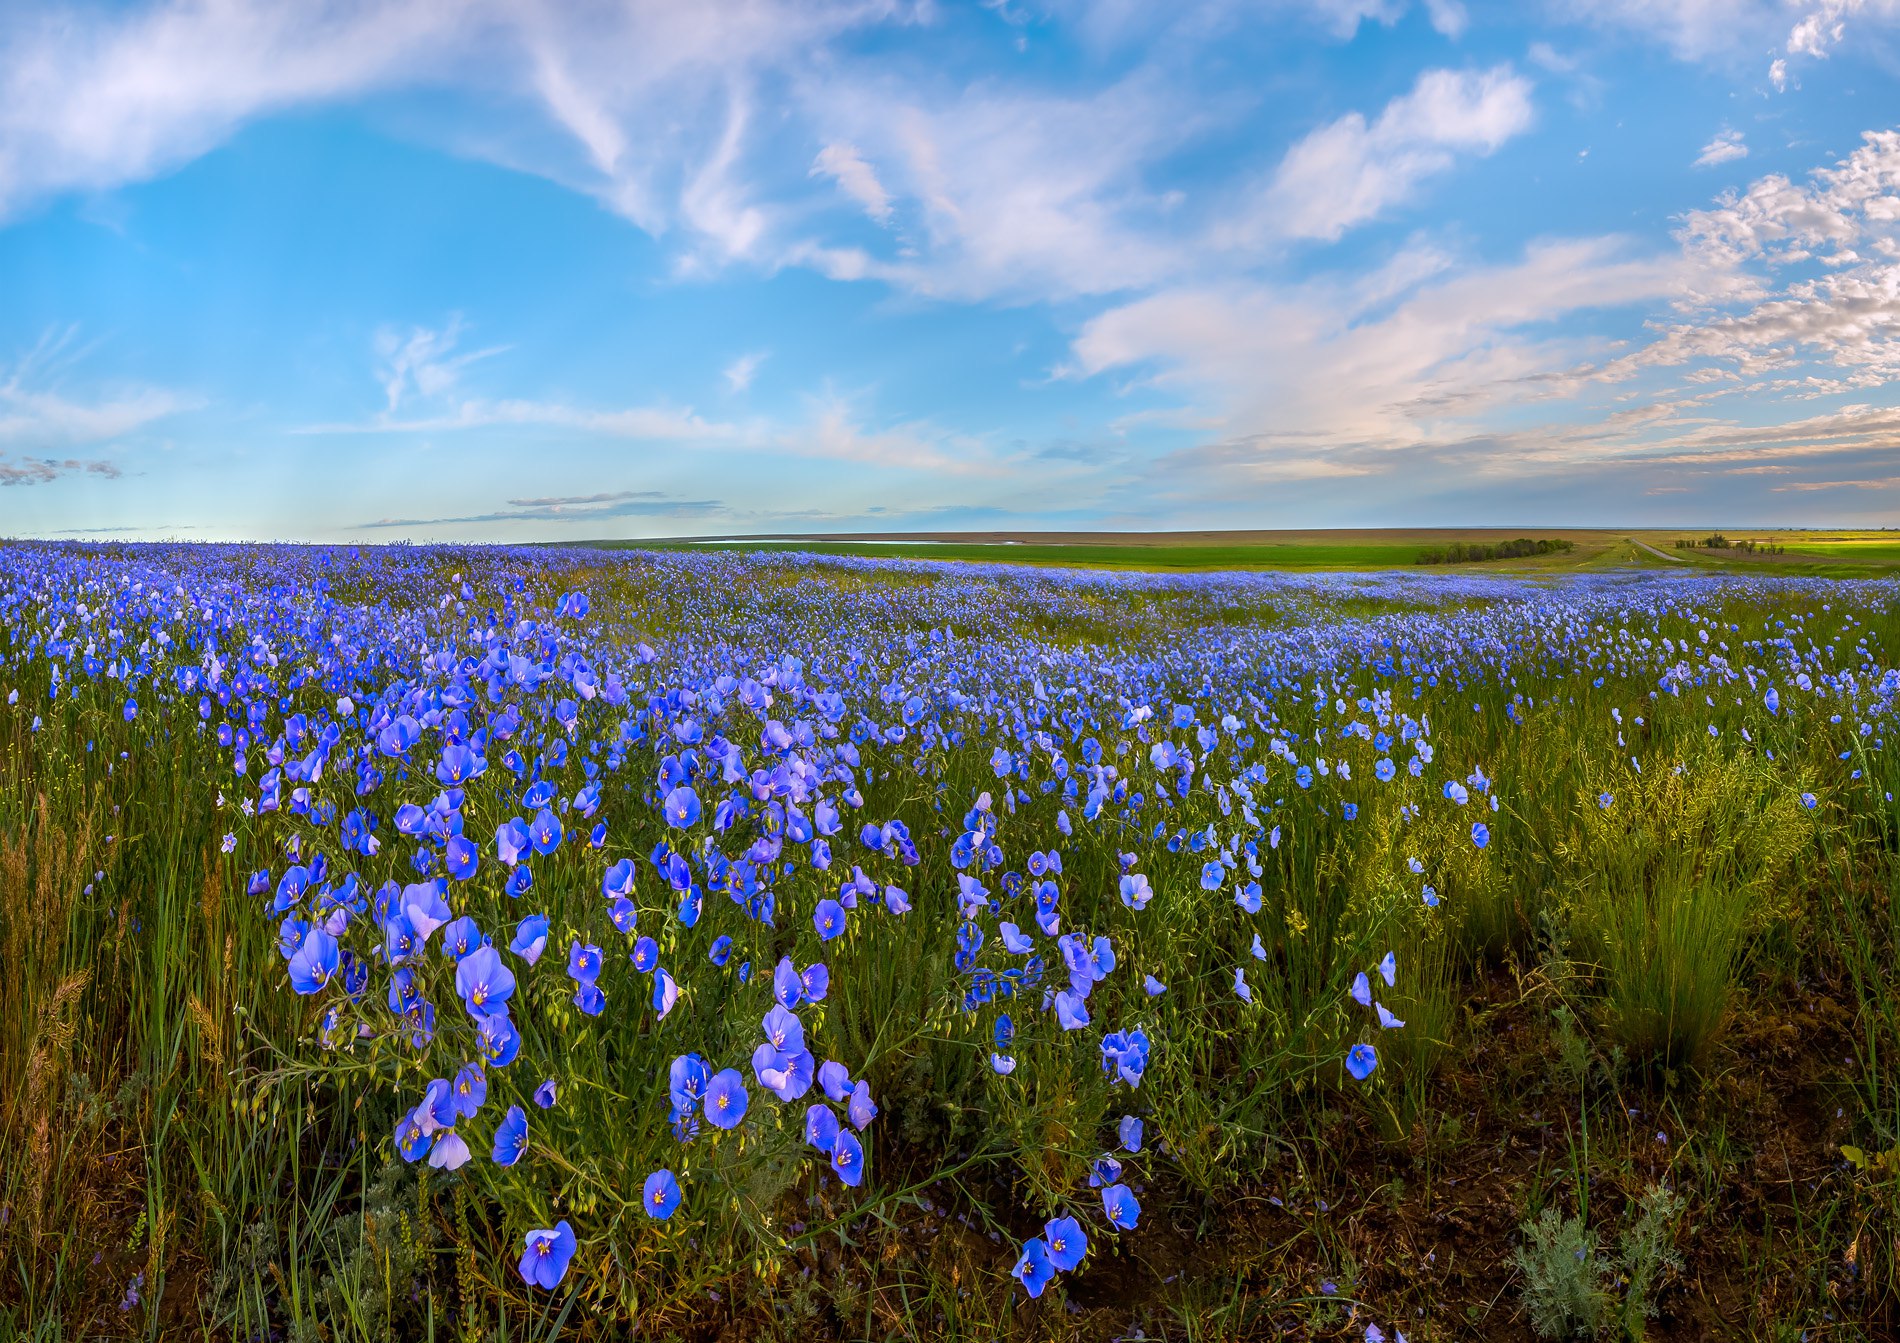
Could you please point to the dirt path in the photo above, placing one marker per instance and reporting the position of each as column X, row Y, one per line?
column 1659, row 554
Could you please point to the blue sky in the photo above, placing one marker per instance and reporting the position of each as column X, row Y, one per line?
column 515, row 270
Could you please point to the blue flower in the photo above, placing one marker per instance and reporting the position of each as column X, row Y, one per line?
column 847, row 1158
column 835, row 1078
column 1240, row 984
column 682, row 808
column 828, row 919
column 547, row 1093
column 544, row 832
column 665, row 992
column 1130, row 1133
column 862, row 1108
column 412, row 1139
column 1071, row 1011
column 821, row 1126
column 1361, row 1060
column 1212, row 874
column 1067, row 1242
column 450, row 1151
column 1153, row 987
column 726, row 1099
column 1480, row 834
column 618, row 880
column 686, row 1081
column 460, row 858
column 1033, row 1269
column 469, row 1091
column 661, row 1195
column 511, row 1136
column 544, row 1262
column 498, row 1040
column 315, row 963
column 484, row 983
column 787, row 987
column 583, row 962
column 1121, row 1207
column 511, row 841
column 646, row 954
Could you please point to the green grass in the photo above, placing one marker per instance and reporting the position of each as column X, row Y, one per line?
column 1158, row 558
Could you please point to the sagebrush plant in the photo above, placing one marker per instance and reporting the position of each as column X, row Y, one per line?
column 1565, row 1292
column 1646, row 1252
column 1292, row 822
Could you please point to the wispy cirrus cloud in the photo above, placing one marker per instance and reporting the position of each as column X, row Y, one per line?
column 47, row 403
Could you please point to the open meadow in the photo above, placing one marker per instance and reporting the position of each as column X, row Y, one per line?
column 483, row 943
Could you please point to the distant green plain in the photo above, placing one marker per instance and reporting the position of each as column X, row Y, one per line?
column 1835, row 554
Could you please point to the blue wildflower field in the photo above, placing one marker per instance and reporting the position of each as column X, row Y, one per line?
column 425, row 942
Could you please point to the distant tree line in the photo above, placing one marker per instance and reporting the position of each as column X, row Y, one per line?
column 1717, row 541
column 1471, row 552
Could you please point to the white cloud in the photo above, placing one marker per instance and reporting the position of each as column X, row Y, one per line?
column 653, row 94
column 1349, row 171
column 1343, row 17
column 41, row 409
column 1780, row 295
column 740, row 372
column 1448, row 17
column 843, row 164
column 1805, row 275
column 1012, row 194
column 422, row 360
column 1329, row 365
column 1724, row 148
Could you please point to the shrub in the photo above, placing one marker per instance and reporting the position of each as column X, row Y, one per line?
column 1563, row 1278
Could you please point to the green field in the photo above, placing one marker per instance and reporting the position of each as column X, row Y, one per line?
column 1163, row 558
column 1830, row 554
column 1179, row 552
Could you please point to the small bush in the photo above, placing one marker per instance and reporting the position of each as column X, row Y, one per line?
column 1648, row 1251
column 1563, row 1278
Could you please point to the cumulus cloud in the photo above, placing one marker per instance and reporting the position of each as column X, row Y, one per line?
column 1351, row 170
column 1726, row 147
column 1777, row 296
